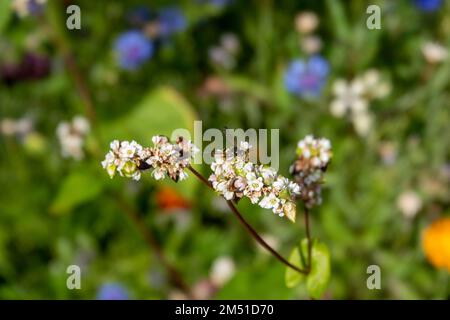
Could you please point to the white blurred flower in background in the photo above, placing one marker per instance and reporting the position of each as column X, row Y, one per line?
column 20, row 127
column 222, row 270
column 311, row 44
column 349, row 97
column 353, row 98
column 434, row 52
column 306, row 22
column 224, row 54
column 409, row 203
column 71, row 136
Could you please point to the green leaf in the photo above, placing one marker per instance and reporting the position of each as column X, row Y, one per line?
column 282, row 97
column 5, row 14
column 160, row 112
column 319, row 276
column 317, row 280
column 292, row 277
column 338, row 18
column 79, row 187
column 248, row 86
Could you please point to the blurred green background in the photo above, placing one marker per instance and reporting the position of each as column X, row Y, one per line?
column 224, row 63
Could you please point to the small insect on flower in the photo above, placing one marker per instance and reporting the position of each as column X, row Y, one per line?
column 314, row 156
column 235, row 177
column 133, row 49
column 436, row 243
column 129, row 159
column 307, row 78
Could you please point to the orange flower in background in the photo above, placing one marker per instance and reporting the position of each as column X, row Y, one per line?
column 436, row 243
column 169, row 199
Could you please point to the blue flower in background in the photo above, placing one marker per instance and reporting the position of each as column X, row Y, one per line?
column 306, row 78
column 139, row 15
column 171, row 20
column 133, row 49
column 428, row 5
column 112, row 291
column 217, row 3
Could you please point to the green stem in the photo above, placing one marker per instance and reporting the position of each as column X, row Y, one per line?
column 308, row 237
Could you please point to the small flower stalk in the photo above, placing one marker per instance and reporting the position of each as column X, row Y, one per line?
column 235, row 177
column 308, row 169
column 129, row 159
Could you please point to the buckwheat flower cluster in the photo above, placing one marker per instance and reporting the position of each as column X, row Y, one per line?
column 71, row 137
column 170, row 159
column 125, row 158
column 313, row 158
column 236, row 177
column 165, row 158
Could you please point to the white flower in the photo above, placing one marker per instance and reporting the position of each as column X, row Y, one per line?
column 236, row 177
column 269, row 202
column 281, row 183
column 320, row 148
column 166, row 159
column 409, row 203
column 245, row 145
column 71, row 137
column 306, row 22
column 240, row 183
column 353, row 98
column 434, row 52
column 294, row 188
column 81, row 124
column 311, row 44
column 115, row 145
column 222, row 270
column 21, row 127
column 255, row 184
column 230, row 43
column 348, row 97
column 228, row 195
column 268, row 173
column 374, row 85
column 127, row 150
column 314, row 156
column 158, row 174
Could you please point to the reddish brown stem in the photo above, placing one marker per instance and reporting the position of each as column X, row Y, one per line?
column 249, row 228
